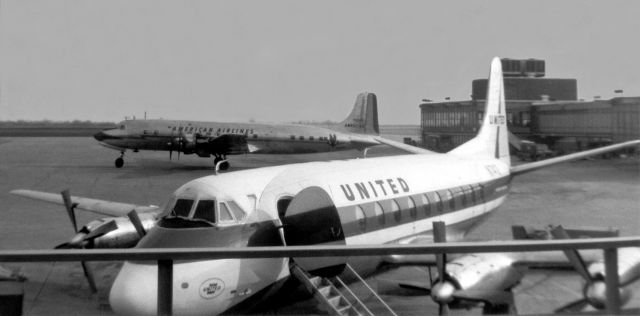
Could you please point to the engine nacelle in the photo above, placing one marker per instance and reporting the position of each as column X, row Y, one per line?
column 492, row 271
column 628, row 271
column 185, row 143
column 125, row 236
column 628, row 266
column 596, row 294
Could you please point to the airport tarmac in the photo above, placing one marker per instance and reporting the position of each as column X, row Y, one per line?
column 595, row 192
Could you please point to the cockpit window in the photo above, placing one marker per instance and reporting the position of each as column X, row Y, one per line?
column 225, row 215
column 206, row 210
column 182, row 208
column 237, row 211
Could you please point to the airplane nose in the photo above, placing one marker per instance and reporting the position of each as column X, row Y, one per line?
column 99, row 136
column 135, row 298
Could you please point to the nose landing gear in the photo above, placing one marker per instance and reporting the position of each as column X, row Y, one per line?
column 120, row 160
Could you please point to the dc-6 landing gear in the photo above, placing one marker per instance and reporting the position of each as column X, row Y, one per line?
column 120, row 160
column 223, row 166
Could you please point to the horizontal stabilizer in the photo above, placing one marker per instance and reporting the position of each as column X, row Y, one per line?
column 516, row 170
column 91, row 205
column 524, row 232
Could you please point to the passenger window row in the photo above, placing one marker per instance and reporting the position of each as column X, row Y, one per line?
column 293, row 137
column 411, row 208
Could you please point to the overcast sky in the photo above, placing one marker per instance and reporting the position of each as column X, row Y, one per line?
column 280, row 61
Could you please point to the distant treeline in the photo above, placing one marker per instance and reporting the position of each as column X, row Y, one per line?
column 52, row 128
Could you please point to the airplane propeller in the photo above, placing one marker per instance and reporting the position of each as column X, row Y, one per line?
column 441, row 292
column 78, row 240
column 595, row 288
column 172, row 143
column 445, row 291
column 180, row 141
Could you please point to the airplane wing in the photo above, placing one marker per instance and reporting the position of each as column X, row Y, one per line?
column 411, row 260
column 91, row 205
column 520, row 169
column 405, row 147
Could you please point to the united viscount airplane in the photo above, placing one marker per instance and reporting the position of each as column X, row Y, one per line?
column 370, row 201
column 207, row 139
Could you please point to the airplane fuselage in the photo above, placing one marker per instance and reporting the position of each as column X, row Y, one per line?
column 380, row 201
column 161, row 135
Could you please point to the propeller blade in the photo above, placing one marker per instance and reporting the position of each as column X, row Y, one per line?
column 101, row 230
column 65, row 245
column 440, row 235
column 573, row 307
column 573, row 255
column 66, row 198
column 443, row 309
column 416, row 286
column 135, row 219
column 402, row 288
column 88, row 273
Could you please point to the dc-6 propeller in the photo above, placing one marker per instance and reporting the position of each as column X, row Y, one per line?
column 177, row 144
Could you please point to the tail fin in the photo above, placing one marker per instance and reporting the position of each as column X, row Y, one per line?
column 492, row 140
column 364, row 116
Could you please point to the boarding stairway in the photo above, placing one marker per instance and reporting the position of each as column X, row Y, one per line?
column 335, row 295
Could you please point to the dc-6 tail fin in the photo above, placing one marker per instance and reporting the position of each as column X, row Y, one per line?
column 364, row 116
column 492, row 140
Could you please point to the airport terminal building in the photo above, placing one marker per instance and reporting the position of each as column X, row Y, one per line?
column 540, row 109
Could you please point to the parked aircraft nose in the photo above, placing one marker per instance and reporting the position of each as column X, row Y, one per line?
column 100, row 136
column 199, row 288
column 134, row 292
column 107, row 134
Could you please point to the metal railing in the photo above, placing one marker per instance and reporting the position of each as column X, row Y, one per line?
column 166, row 256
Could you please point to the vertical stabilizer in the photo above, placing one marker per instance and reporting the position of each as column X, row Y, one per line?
column 364, row 116
column 493, row 139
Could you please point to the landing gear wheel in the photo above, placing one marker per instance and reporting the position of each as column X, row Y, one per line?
column 224, row 165
column 119, row 162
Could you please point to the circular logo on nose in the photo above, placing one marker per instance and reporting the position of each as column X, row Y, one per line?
column 211, row 288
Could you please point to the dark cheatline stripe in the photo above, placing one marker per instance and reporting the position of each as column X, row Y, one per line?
column 450, row 200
